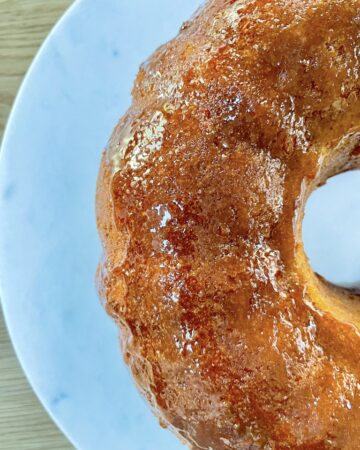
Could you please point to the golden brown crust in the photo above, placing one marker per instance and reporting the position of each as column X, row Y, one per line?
column 232, row 338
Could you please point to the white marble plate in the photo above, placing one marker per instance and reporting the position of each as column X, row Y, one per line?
column 76, row 90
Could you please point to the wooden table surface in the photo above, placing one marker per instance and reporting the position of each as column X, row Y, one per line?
column 24, row 425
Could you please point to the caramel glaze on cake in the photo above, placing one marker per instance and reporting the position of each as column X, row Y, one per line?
column 229, row 334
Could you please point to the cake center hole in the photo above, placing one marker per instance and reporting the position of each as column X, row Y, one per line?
column 331, row 230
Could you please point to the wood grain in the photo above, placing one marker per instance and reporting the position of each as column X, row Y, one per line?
column 24, row 424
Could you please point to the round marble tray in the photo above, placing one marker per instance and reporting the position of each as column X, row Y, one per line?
column 77, row 88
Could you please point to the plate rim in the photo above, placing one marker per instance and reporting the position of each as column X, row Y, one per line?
column 69, row 11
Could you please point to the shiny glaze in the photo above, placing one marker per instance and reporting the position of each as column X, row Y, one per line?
column 233, row 340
